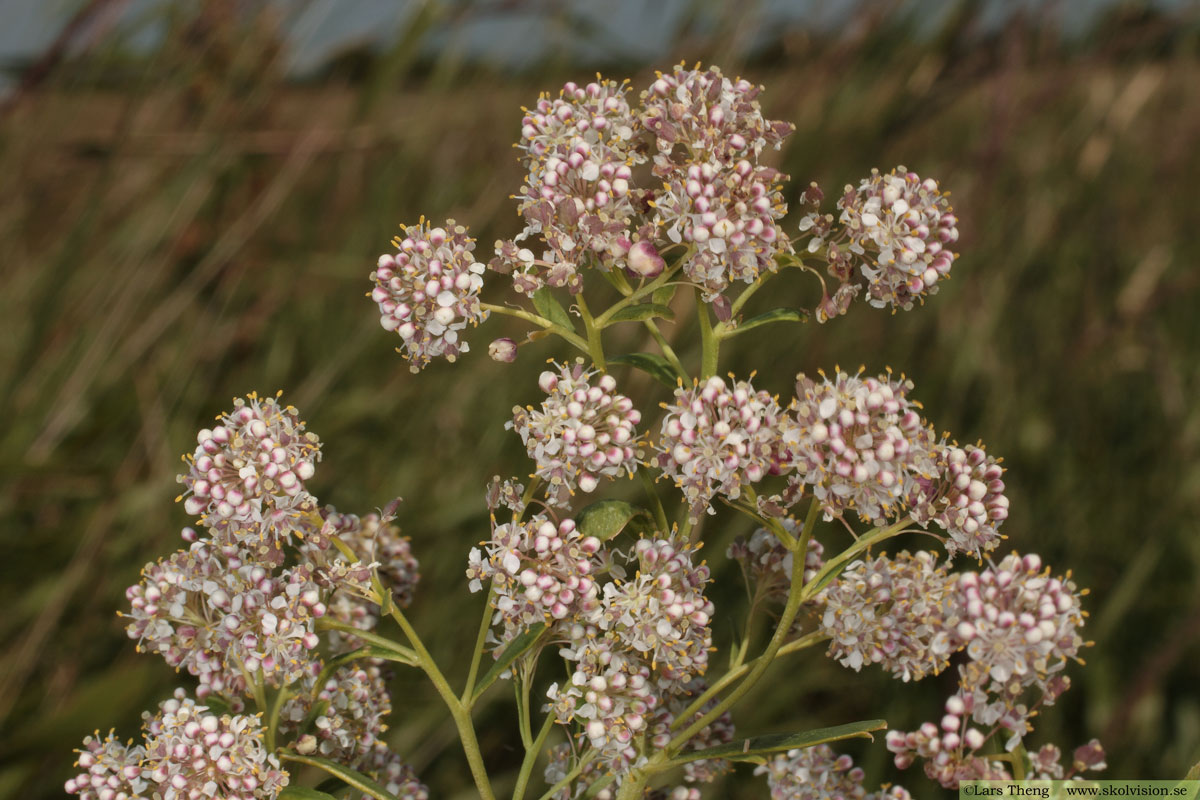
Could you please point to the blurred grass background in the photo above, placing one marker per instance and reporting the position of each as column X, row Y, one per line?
column 184, row 221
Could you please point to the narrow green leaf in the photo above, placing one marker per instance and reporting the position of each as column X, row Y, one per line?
column 548, row 306
column 379, row 646
column 656, row 366
column 775, row 315
column 607, row 518
column 759, row 746
column 516, row 648
column 1193, row 774
column 353, row 778
column 304, row 793
column 643, row 311
column 664, row 294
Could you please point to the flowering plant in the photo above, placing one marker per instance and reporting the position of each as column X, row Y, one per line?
column 276, row 607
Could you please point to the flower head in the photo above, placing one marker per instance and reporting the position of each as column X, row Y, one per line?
column 247, row 475
column 662, row 612
column 354, row 701
column 718, row 732
column 193, row 753
column 220, row 618
column 768, row 563
column 581, row 433
column 716, row 438
column 712, row 116
column 856, row 443
column 111, row 770
column 540, row 572
column 817, row 773
column 611, row 693
column 388, row 769
column 896, row 230
column 895, row 612
column 429, row 291
column 964, row 495
column 1018, row 623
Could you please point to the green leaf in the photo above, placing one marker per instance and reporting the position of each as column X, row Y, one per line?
column 1193, row 774
column 754, row 749
column 656, row 366
column 516, row 648
column 643, row 311
column 353, row 778
column 379, row 646
column 304, row 793
column 664, row 294
column 607, row 518
column 548, row 306
column 775, row 315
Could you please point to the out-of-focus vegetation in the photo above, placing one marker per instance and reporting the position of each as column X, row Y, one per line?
column 185, row 225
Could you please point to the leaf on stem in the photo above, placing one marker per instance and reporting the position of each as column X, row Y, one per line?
column 642, row 311
column 664, row 294
column 758, row 747
column 515, row 649
column 607, row 518
column 304, row 793
column 353, row 778
column 775, row 315
column 655, row 366
column 548, row 306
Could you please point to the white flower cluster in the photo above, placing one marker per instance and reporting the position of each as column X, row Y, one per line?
column 662, row 612
column 540, row 572
column 247, row 476
column 857, row 443
column 429, row 291
column 965, row 496
column 895, row 612
column 581, row 433
column 729, row 215
column 190, row 753
column 353, row 702
column 193, row 753
column 390, row 771
column 718, row 732
column 612, row 694
column 1019, row 627
column 768, row 563
column 720, row 199
column 818, row 773
column 895, row 230
column 206, row 611
column 715, row 439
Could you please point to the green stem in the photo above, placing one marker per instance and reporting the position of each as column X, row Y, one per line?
column 460, row 712
column 540, row 321
column 485, row 624
column 531, row 756
column 595, row 346
column 521, row 689
column 376, row 791
column 660, row 513
column 794, row 646
column 327, row 624
column 637, row 294
column 276, row 709
column 667, row 351
column 710, row 343
column 795, row 598
column 1018, row 761
column 833, row 566
column 570, row 776
column 260, row 691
